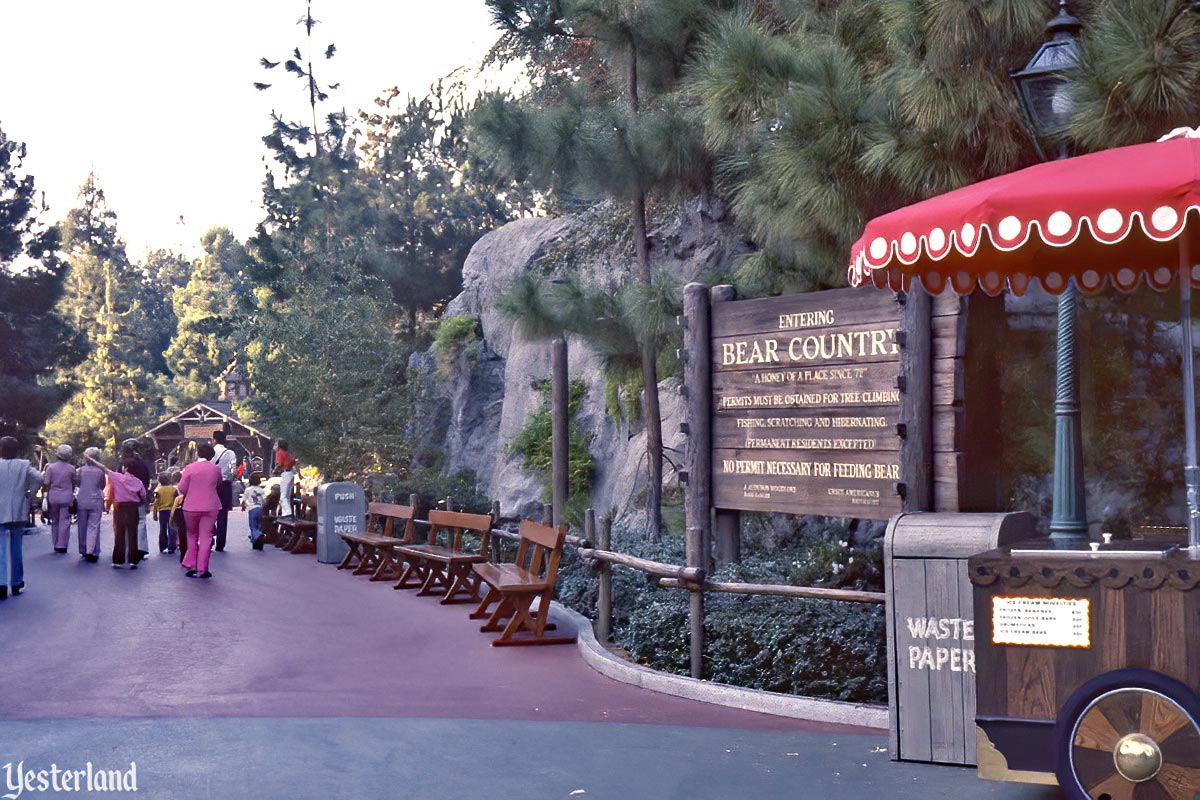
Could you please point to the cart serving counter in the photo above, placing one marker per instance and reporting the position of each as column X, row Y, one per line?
column 1083, row 669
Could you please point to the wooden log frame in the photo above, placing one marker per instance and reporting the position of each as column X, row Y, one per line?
column 370, row 550
column 446, row 566
column 513, row 587
column 776, row 590
column 656, row 568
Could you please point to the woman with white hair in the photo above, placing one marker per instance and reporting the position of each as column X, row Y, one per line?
column 60, row 482
column 89, row 505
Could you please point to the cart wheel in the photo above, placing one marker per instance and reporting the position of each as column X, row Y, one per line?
column 1132, row 743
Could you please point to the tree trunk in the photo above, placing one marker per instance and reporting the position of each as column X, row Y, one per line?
column 650, row 408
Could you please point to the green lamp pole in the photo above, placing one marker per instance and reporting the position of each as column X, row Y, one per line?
column 1046, row 100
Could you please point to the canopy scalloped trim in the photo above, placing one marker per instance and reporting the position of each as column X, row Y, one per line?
column 1058, row 229
column 1118, row 217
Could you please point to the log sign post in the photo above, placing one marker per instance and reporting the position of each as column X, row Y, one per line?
column 806, row 404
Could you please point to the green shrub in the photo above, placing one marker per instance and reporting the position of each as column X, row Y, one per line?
column 534, row 444
column 432, row 486
column 815, row 648
column 455, row 333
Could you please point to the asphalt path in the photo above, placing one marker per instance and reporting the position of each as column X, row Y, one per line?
column 284, row 678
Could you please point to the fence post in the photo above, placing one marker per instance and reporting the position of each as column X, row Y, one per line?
column 697, row 377
column 695, row 558
column 728, row 532
column 559, row 445
column 495, row 540
column 604, row 595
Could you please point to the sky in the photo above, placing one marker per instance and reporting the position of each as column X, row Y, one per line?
column 157, row 97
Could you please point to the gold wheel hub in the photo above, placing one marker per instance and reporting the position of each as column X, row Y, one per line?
column 1138, row 757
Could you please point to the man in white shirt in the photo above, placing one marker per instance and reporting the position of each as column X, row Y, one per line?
column 226, row 459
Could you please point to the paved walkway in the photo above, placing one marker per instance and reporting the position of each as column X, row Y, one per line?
column 282, row 677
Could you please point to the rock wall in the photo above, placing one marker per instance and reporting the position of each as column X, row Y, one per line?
column 490, row 389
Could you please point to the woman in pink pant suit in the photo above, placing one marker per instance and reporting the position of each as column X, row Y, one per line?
column 198, row 485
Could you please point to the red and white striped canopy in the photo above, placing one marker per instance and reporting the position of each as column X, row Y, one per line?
column 1121, row 217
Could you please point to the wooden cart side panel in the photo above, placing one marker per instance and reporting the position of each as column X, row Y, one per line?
column 1031, row 675
column 966, row 606
column 1109, row 622
column 1170, row 643
column 1130, row 627
column 991, row 661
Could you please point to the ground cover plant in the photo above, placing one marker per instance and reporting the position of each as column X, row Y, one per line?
column 815, row 648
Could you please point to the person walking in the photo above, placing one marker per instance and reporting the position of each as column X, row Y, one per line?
column 226, row 459
column 198, row 485
column 128, row 495
column 164, row 501
column 18, row 481
column 285, row 468
column 60, row 480
column 252, row 501
column 89, row 506
column 131, row 462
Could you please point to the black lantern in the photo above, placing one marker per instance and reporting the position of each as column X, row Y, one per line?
column 1042, row 85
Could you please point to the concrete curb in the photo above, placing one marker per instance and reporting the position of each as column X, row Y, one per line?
column 784, row 705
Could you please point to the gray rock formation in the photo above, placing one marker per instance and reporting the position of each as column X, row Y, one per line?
column 490, row 388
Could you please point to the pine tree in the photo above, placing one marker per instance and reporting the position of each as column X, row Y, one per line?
column 429, row 200
column 33, row 338
column 826, row 115
column 615, row 128
column 115, row 390
column 211, row 328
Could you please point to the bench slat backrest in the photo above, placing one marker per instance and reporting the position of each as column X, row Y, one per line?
column 547, row 545
column 387, row 514
column 454, row 523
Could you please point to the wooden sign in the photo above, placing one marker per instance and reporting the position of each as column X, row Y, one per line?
column 200, row 430
column 805, row 404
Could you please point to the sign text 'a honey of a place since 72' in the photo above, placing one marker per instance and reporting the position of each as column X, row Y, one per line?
column 805, row 404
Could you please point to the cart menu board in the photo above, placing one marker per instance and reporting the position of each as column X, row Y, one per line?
column 1041, row 621
column 805, row 404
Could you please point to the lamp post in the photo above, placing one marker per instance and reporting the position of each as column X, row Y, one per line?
column 1046, row 101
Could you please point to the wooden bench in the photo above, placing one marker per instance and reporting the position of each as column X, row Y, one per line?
column 516, row 585
column 443, row 562
column 298, row 533
column 371, row 549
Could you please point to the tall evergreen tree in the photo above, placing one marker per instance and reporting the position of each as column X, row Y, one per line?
column 115, row 389
column 825, row 115
column 162, row 273
column 430, row 201
column 614, row 128
column 211, row 326
column 33, row 338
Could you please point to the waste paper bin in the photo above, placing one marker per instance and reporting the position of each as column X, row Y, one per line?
column 341, row 508
column 930, row 629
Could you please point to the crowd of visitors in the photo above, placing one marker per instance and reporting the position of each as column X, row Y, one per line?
column 191, row 506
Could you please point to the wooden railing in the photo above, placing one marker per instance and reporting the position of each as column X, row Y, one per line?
column 594, row 547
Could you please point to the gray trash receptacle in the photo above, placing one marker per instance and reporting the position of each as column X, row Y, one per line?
column 930, row 628
column 341, row 507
